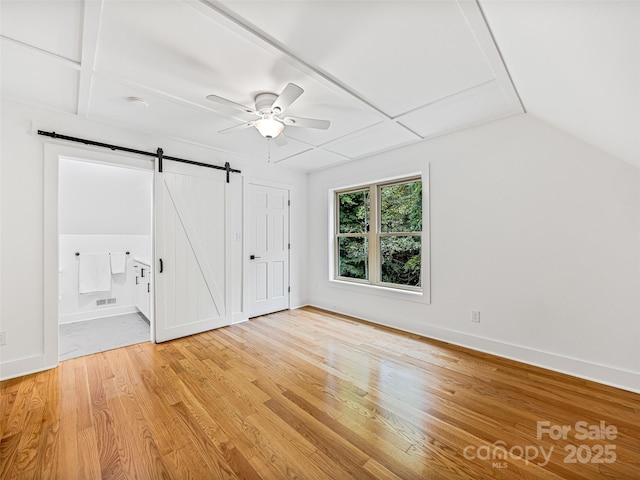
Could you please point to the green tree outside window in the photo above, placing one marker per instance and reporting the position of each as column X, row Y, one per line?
column 379, row 234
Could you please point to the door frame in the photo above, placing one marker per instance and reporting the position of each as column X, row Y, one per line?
column 245, row 236
column 52, row 154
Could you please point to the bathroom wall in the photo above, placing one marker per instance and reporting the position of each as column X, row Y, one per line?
column 102, row 209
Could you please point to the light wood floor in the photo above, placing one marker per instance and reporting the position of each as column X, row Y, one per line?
column 307, row 395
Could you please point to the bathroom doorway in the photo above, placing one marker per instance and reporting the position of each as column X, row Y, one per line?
column 105, row 251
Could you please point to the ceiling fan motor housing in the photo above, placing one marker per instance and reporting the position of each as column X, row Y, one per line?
column 264, row 101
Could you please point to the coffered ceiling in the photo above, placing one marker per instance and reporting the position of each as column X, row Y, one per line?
column 385, row 73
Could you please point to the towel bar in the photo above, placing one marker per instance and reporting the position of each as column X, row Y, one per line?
column 78, row 253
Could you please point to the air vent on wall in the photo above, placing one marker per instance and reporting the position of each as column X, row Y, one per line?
column 105, row 301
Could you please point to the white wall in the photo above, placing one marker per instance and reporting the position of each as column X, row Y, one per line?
column 534, row 228
column 22, row 225
column 102, row 209
column 99, row 199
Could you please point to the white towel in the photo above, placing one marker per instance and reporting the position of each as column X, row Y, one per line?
column 118, row 262
column 94, row 273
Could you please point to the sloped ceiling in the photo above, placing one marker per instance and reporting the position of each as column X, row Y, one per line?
column 576, row 65
column 385, row 73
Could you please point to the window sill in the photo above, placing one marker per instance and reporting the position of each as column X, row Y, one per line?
column 380, row 291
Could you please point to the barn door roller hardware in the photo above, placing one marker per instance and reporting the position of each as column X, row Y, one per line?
column 159, row 154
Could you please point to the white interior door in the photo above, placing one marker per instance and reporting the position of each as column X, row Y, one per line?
column 192, row 278
column 268, row 249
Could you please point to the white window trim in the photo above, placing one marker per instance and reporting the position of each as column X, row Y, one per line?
column 422, row 295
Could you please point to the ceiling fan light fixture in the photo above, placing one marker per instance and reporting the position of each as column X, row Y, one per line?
column 269, row 127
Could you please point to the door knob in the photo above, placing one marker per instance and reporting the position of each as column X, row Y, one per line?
column 253, row 257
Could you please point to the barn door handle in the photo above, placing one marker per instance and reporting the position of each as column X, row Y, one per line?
column 253, row 257
column 161, row 266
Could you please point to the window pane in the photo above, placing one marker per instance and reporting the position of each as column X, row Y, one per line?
column 353, row 260
column 354, row 212
column 401, row 207
column 400, row 260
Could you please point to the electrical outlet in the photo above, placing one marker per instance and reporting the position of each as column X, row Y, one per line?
column 475, row 316
column 3, row 338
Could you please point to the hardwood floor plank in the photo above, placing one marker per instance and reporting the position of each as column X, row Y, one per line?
column 205, row 447
column 8, row 452
column 379, row 471
column 328, row 443
column 30, row 436
column 264, row 469
column 102, row 418
column 18, row 406
column 137, row 447
column 82, row 394
column 46, row 461
column 155, row 406
column 7, row 400
column 88, row 467
column 186, row 463
column 39, row 395
column 354, row 433
column 311, row 395
column 68, row 448
column 241, row 465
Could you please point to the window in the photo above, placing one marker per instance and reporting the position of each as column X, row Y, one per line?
column 378, row 234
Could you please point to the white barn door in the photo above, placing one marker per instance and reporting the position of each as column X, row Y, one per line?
column 268, row 249
column 191, row 272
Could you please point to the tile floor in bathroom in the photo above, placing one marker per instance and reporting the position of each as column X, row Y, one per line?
column 91, row 336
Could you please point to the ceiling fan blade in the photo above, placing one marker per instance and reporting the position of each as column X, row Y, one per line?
column 235, row 128
column 280, row 140
column 306, row 122
column 289, row 95
column 230, row 104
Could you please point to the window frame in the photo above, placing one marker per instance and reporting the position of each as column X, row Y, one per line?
column 375, row 233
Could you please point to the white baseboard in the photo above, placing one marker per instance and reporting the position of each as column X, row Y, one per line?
column 298, row 303
column 239, row 318
column 24, row 366
column 614, row 377
column 100, row 313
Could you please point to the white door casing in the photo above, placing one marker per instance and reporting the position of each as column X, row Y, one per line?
column 268, row 230
column 191, row 249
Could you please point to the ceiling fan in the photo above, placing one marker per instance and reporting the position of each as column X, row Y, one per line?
column 269, row 109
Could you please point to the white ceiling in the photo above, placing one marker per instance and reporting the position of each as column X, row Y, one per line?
column 386, row 73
